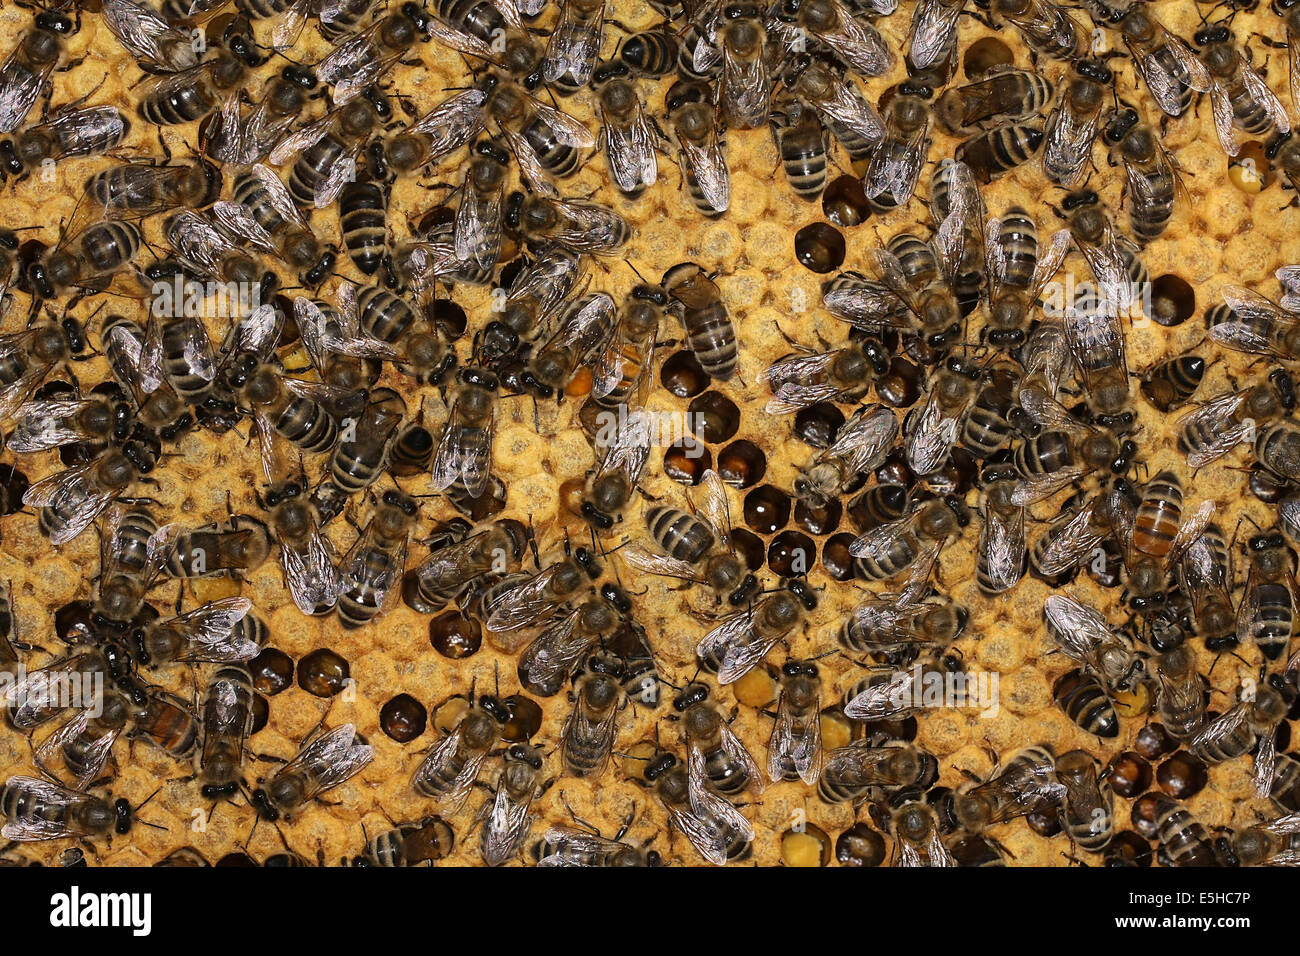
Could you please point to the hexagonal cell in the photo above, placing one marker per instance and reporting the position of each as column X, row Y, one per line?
column 845, row 202
column 1173, row 301
column 767, row 509
column 714, row 417
column 817, row 425
column 900, row 387
column 272, row 671
column 836, row 560
column 323, row 673
column 819, row 247
column 687, row 460
column 682, row 375
column 454, row 635
column 749, row 547
column 742, row 464
column 818, row 521
column 984, row 55
column 403, row 718
column 1251, row 170
column 791, row 554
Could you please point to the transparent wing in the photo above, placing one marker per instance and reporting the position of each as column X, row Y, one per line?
column 312, row 578
column 329, row 760
column 1002, row 540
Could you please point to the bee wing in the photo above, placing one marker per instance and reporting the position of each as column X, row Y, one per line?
column 507, row 823
column 555, row 652
column 81, row 132
column 573, row 45
column 439, row 757
column 586, row 324
column 304, row 138
column 895, row 166
column 866, row 438
column 197, row 240
column 78, row 500
column 858, row 44
column 934, row 24
column 733, row 628
column 19, row 89
column 452, row 123
column 477, row 234
column 631, row 152
column 1039, row 487
column 1224, row 119
column 932, row 436
column 715, row 506
column 288, row 24
column 630, row 450
column 1075, row 540
column 884, row 700
column 799, row 742
column 27, row 829
column 1002, row 540
column 1253, row 313
column 353, row 65
column 1293, row 66
column 1067, row 143
column 995, row 257
column 46, row 424
column 1266, row 764
column 711, row 816
column 570, row 843
column 1191, row 530
column 652, row 563
column 603, row 731
column 355, row 570
column 1078, row 628
column 875, row 543
column 209, row 629
column 237, row 220
column 522, row 605
column 1222, row 726
column 1212, row 418
column 710, row 168
column 1265, row 98
column 331, row 759
column 1050, row 260
column 94, row 756
column 846, row 107
column 746, row 90
column 1046, row 411
column 148, row 36
column 312, row 578
column 737, row 751
column 569, row 131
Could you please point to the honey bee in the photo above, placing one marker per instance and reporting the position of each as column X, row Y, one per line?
column 915, row 540
column 27, row 69
column 1084, row 699
column 1181, row 702
column 229, row 135
column 714, row 827
column 742, row 640
column 704, row 167
column 438, row 133
column 361, row 60
column 933, row 31
column 309, row 571
column 174, row 99
column 462, row 462
column 1007, row 93
column 264, row 214
column 849, row 772
column 1000, row 556
column 451, row 567
column 696, row 545
column 321, row 764
column 359, row 458
column 850, row 118
column 997, row 151
column 88, row 261
column 609, row 489
column 1241, row 99
column 507, row 816
column 710, row 332
column 930, row 433
column 1159, row 538
column 553, row 655
column 167, row 722
column 325, row 152
column 651, row 53
column 234, row 547
column 450, row 768
column 744, row 88
column 227, row 711
column 71, row 500
column 474, row 28
column 528, row 599
column 584, row 329
column 568, row 846
column 1078, row 533
column 574, row 44
column 1205, row 576
column 1257, row 325
column 371, row 571
column 627, row 132
column 1072, row 127
column 1215, row 428
column 917, row 828
column 1085, row 636
column 205, row 634
column 68, row 132
column 1153, row 183
column 1270, row 843
column 839, row 375
column 150, row 38
column 1046, row 27
column 1168, row 67
column 833, row 25
column 410, row 844
column 1064, row 450
column 533, row 298
column 1026, row 784
column 43, row 810
column 1184, row 841
column 589, row 732
column 1087, row 810
column 896, row 162
column 84, row 744
column 1269, row 601
column 727, row 762
column 803, row 143
column 861, row 445
column 794, row 751
column 578, row 225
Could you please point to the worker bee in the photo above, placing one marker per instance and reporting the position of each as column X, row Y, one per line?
column 234, row 547
column 1170, row 70
column 1007, row 93
column 742, row 640
column 1158, row 539
column 930, row 433
column 651, row 53
column 861, row 445
column 896, row 162
column 27, row 69
column 84, row 744
column 574, row 44
column 744, row 88
column 1084, row 699
column 70, row 131
column 1026, row 784
column 205, row 249
column 997, row 151
column 1257, row 325
column 552, row 656
column 578, row 225
column 1181, row 702
column 914, row 540
column 362, row 453
column 88, row 261
column 410, row 844
column 450, row 768
column 174, row 99
column 1046, row 27
column 933, row 31
column 325, row 152
column 728, row 765
column 361, row 60
column 1184, row 841
column 850, row 118
column 623, row 372
column 165, row 721
column 1269, row 601
column 914, row 288
column 304, row 556
column 1174, row 381
column 44, row 810
column 71, row 500
column 1079, row 532
column 840, row 375
column 321, row 764
column 704, row 167
column 1064, row 450
column 1215, row 428
column 475, row 28
column 156, row 44
column 28, row 357
column 263, row 213
column 370, row 572
column 622, row 462
column 534, row 295
column 589, row 732
column 58, row 422
column 526, row 600
column 454, row 565
column 583, row 330
column 894, row 627
column 1270, row 843
column 710, row 332
column 462, row 462
column 1241, row 99
column 833, row 25
column 227, row 711
column 696, row 545
column 1072, row 127
column 1084, row 635
column 205, row 634
column 803, row 144
column 916, row 826
column 794, row 751
column 1248, row 725
column 1205, row 576
column 627, row 134
column 229, row 135
column 715, row 828
column 507, row 816
column 1152, row 179
column 568, row 846
column 1000, row 556
column 850, row 772
column 1087, row 811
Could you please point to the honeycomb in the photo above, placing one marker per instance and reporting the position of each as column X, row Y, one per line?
column 1221, row 234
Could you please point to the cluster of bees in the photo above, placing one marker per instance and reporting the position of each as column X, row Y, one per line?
column 972, row 403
